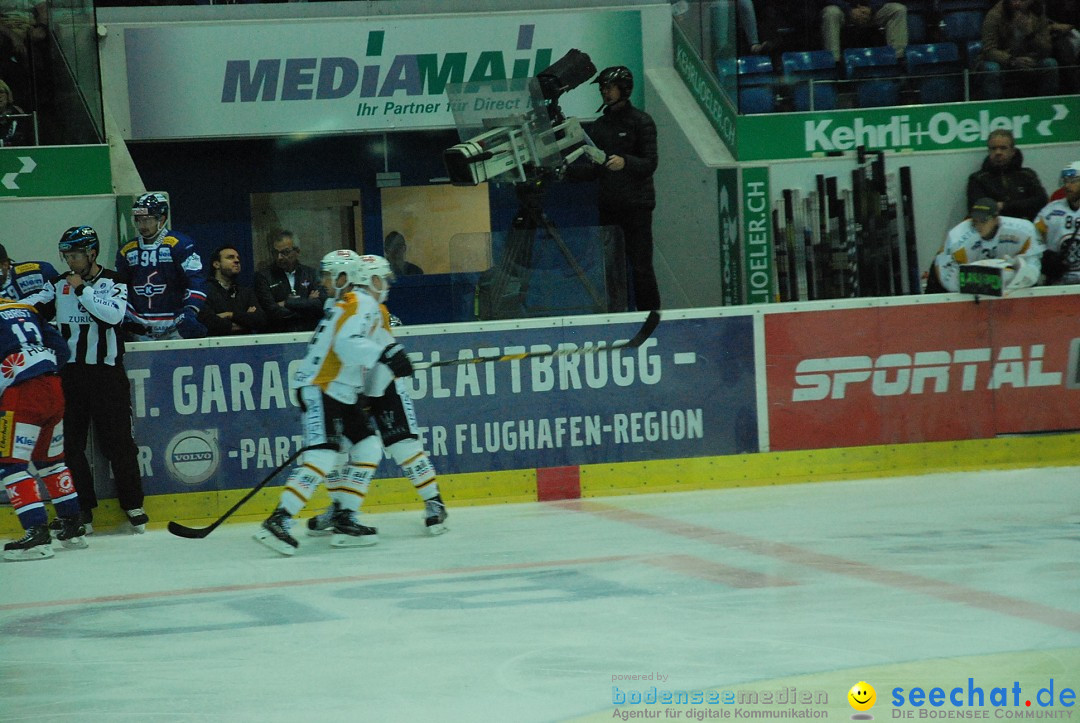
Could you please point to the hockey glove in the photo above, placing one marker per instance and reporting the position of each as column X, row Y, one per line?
column 394, row 356
column 188, row 324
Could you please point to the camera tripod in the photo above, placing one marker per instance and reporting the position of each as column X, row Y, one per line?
column 502, row 291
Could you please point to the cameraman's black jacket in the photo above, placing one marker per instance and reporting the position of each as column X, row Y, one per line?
column 630, row 133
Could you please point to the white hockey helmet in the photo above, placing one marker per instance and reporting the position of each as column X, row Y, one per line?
column 358, row 270
column 1070, row 172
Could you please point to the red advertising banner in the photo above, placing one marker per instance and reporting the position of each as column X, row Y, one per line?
column 922, row 373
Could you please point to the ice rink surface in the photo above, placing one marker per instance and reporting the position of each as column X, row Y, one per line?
column 540, row 612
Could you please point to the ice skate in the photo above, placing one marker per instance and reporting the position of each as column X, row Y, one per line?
column 322, row 524
column 85, row 518
column 36, row 544
column 435, row 515
column 138, row 519
column 348, row 532
column 274, row 533
column 72, row 533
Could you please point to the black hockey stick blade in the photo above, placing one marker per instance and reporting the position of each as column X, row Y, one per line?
column 642, row 335
column 197, row 533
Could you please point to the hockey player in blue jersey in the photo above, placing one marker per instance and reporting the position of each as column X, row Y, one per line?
column 26, row 281
column 32, row 430
column 164, row 274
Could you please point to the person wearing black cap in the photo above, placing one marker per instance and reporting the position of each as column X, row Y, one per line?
column 627, row 196
column 1005, row 241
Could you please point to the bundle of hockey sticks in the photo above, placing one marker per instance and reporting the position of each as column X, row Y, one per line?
column 642, row 335
column 834, row 243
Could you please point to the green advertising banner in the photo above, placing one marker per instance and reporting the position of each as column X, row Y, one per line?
column 758, row 271
column 54, row 171
column 702, row 84
column 727, row 186
column 948, row 126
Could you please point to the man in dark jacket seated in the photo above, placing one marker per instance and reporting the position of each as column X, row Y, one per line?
column 230, row 308
column 288, row 291
column 1017, row 190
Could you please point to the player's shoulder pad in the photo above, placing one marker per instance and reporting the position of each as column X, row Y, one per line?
column 26, row 267
column 129, row 246
column 170, row 241
column 9, row 304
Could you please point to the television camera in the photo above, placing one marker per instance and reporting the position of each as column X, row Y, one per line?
column 529, row 144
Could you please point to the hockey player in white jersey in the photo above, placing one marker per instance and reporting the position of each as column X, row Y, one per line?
column 986, row 236
column 395, row 420
column 345, row 359
column 1059, row 224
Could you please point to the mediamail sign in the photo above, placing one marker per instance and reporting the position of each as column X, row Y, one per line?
column 326, row 76
column 916, row 128
column 54, row 171
column 209, row 418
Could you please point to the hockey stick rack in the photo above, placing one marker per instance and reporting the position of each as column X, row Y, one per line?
column 646, row 330
column 197, row 533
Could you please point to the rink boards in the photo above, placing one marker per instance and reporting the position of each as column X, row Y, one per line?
column 714, row 398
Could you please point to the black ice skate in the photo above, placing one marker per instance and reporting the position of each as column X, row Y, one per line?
column 85, row 518
column 322, row 524
column 274, row 533
column 36, row 544
column 72, row 532
column 348, row 532
column 435, row 515
column 138, row 519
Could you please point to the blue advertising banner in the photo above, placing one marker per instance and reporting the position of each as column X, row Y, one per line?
column 220, row 417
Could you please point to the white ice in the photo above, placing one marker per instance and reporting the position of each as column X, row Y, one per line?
column 533, row 612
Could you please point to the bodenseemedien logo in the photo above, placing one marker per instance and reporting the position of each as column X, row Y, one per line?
column 192, row 456
column 921, row 130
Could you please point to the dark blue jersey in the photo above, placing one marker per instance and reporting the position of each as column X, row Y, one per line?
column 30, row 282
column 164, row 276
column 28, row 346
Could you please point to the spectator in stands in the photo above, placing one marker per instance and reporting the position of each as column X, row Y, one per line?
column 15, row 126
column 394, row 248
column 1059, row 224
column 1003, row 177
column 1064, row 16
column 1016, row 38
column 230, row 308
column 862, row 24
column 988, row 236
column 288, row 291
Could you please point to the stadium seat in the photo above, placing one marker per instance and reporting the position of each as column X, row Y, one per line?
column 916, row 27
column 935, row 70
column 877, row 73
column 812, row 68
column 756, row 79
column 961, row 26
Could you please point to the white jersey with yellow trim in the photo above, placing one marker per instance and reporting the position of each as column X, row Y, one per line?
column 1059, row 224
column 342, row 351
column 1016, row 238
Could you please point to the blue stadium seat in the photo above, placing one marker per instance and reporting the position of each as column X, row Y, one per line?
column 800, row 68
column 935, row 70
column 877, row 72
column 756, row 79
column 952, row 6
column 962, row 26
column 916, row 27
column 973, row 49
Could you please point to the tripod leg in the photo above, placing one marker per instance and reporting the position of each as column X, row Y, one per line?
column 599, row 303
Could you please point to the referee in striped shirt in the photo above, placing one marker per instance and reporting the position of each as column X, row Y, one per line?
column 90, row 305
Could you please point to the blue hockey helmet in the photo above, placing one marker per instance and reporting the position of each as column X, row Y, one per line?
column 150, row 204
column 79, row 238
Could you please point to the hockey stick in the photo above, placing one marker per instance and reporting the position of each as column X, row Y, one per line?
column 637, row 340
column 197, row 533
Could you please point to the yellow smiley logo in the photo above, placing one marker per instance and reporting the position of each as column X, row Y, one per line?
column 862, row 696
